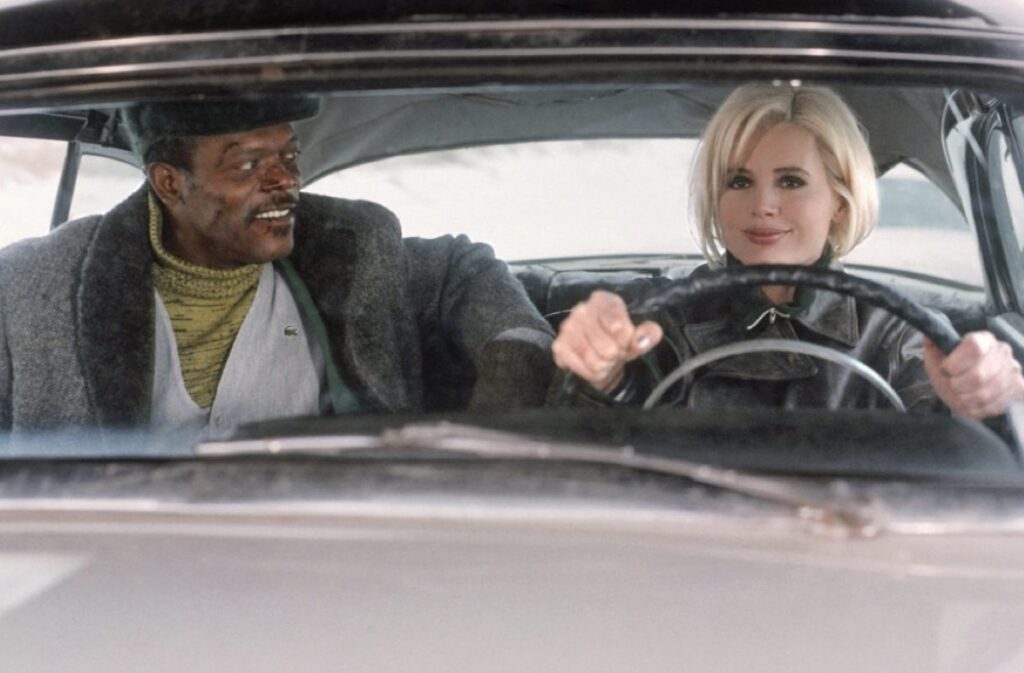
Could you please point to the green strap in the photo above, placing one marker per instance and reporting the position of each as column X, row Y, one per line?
column 343, row 400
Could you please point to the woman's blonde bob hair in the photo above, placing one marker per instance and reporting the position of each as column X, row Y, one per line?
column 753, row 109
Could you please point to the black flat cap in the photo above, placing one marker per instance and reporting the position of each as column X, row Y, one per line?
column 149, row 123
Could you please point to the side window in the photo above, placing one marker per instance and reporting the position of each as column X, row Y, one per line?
column 29, row 176
column 30, row 172
column 1008, row 202
column 102, row 184
column 921, row 231
column 1014, row 195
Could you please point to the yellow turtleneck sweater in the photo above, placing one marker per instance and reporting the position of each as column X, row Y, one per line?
column 206, row 306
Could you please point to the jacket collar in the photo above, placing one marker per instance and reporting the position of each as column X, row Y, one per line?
column 828, row 314
column 833, row 316
column 114, row 322
column 350, row 258
column 724, row 318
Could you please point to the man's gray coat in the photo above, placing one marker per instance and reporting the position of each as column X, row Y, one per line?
column 412, row 323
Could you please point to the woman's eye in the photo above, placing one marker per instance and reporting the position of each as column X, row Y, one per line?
column 791, row 181
column 738, row 182
column 247, row 165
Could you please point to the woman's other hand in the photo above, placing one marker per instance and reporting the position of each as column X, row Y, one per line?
column 598, row 338
column 978, row 379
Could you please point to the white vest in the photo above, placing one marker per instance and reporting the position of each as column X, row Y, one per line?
column 275, row 368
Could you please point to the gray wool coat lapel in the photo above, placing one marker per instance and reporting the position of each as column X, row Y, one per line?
column 114, row 316
column 351, row 257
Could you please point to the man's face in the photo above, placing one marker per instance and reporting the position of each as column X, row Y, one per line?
column 236, row 205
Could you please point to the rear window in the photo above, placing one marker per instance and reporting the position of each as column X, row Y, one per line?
column 549, row 200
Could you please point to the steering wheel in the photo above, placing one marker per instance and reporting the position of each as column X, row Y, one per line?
column 927, row 322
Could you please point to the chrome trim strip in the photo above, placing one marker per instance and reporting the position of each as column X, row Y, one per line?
column 143, row 517
column 456, row 54
column 853, row 27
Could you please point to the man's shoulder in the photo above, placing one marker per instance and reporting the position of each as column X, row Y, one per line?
column 66, row 245
column 331, row 212
column 326, row 219
column 67, row 242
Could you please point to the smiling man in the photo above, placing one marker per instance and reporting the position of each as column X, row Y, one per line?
column 219, row 294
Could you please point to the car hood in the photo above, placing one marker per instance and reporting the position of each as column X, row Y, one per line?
column 441, row 586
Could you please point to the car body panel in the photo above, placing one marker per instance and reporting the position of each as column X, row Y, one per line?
column 416, row 586
column 396, row 565
column 421, row 561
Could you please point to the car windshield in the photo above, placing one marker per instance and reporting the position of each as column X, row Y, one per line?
column 399, row 309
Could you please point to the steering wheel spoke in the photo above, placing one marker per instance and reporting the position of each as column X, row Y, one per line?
column 774, row 345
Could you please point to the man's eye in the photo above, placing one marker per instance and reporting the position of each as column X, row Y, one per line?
column 791, row 182
column 247, row 165
column 738, row 182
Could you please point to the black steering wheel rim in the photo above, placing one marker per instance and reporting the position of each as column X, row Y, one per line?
column 926, row 321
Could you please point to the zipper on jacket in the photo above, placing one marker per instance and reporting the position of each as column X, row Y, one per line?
column 772, row 313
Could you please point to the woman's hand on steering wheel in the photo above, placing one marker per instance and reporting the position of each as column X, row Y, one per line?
column 978, row 379
column 598, row 338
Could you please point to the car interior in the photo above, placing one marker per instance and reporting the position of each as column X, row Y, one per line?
column 905, row 126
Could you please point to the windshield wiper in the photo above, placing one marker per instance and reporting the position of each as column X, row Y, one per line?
column 813, row 507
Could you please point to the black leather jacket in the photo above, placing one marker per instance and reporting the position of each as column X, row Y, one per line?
column 887, row 344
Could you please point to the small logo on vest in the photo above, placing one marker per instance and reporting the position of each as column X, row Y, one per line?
column 291, row 330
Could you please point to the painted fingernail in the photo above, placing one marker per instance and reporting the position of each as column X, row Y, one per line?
column 643, row 343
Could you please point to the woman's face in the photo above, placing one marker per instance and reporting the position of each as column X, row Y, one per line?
column 777, row 207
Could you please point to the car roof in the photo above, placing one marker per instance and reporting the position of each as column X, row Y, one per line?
column 111, row 62
column 38, row 22
column 64, row 52
column 901, row 123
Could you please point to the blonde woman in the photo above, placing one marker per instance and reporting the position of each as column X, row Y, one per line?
column 783, row 176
